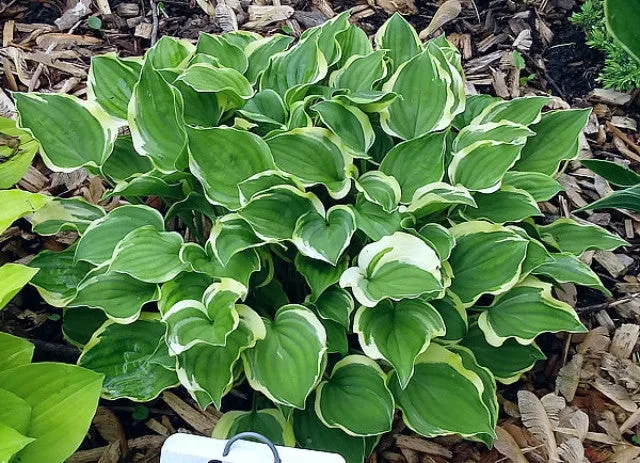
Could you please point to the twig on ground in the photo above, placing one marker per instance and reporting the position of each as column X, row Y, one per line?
column 606, row 305
column 154, row 13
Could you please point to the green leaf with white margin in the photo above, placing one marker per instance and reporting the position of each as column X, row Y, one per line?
column 313, row 155
column 203, row 260
column 119, row 295
column 149, row 255
column 416, row 163
column 437, row 197
column 450, row 59
column 370, row 411
column 556, row 139
column 266, row 107
column 11, row 442
column 508, row 204
column 14, row 351
column 319, row 275
column 399, row 39
column 62, row 214
column 79, row 324
column 524, row 312
column 487, row 259
column 101, row 237
column 612, row 172
column 380, row 188
column 541, row 187
column 269, row 422
column 259, row 54
column 349, row 123
column 326, row 34
column 628, row 198
column 273, row 214
column 482, row 154
column 133, row 358
column 454, row 315
column 124, row 161
column 427, row 103
column 325, row 238
column 337, row 341
column 360, row 72
column 507, row 362
column 335, row 304
column 373, row 220
column 85, row 139
column 525, row 110
column 169, row 53
column 17, row 155
column 396, row 267
column 474, row 106
column 294, row 348
column 186, row 286
column 303, row 63
column 63, row 400
column 567, row 268
column 231, row 87
column 398, row 332
column 17, row 204
column 263, row 181
column 439, row 239
column 353, row 41
column 373, row 101
column 156, row 121
column 148, row 184
column 111, row 81
column 59, row 276
column 207, row 371
column 245, row 155
column 231, row 234
column 432, row 407
column 226, row 53
column 311, row 433
column 13, row 277
column 192, row 322
column 568, row 235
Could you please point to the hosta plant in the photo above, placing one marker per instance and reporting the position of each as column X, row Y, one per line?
column 341, row 229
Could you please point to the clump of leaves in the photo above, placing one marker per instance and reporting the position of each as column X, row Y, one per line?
column 621, row 70
column 342, row 228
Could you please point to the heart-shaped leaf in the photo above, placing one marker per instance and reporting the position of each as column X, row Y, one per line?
column 325, row 239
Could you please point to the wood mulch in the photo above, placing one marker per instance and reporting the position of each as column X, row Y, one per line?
column 589, row 385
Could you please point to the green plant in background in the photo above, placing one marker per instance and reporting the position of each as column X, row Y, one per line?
column 621, row 70
column 336, row 218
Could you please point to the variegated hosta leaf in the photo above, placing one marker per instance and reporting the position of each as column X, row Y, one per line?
column 349, row 123
column 61, row 214
column 59, row 276
column 84, row 139
column 133, row 359
column 273, row 214
column 487, row 259
column 525, row 110
column 119, row 295
column 13, row 277
column 358, row 381
column 101, row 237
column 508, row 204
column 169, row 53
column 507, row 362
column 227, row 54
column 111, row 81
column 294, row 348
column 244, row 155
column 454, row 315
column 149, row 255
column 326, row 34
column 482, row 154
column 269, row 422
column 207, row 371
column 335, row 304
column 312, row 155
column 230, row 235
column 437, row 197
column 432, row 407
column 232, row 89
column 311, row 433
column 319, row 275
column 263, row 181
column 259, row 54
column 568, row 235
column 416, row 163
column 380, row 189
column 203, row 260
column 373, row 220
column 567, row 268
column 524, row 312
column 156, row 121
column 79, row 324
column 399, row 39
column 556, row 139
column 325, row 239
column 191, row 322
column 541, row 187
column 124, row 162
column 428, row 102
column 396, row 267
column 16, row 159
column 266, row 107
column 360, row 72
column 398, row 332
column 352, row 41
column 439, row 239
